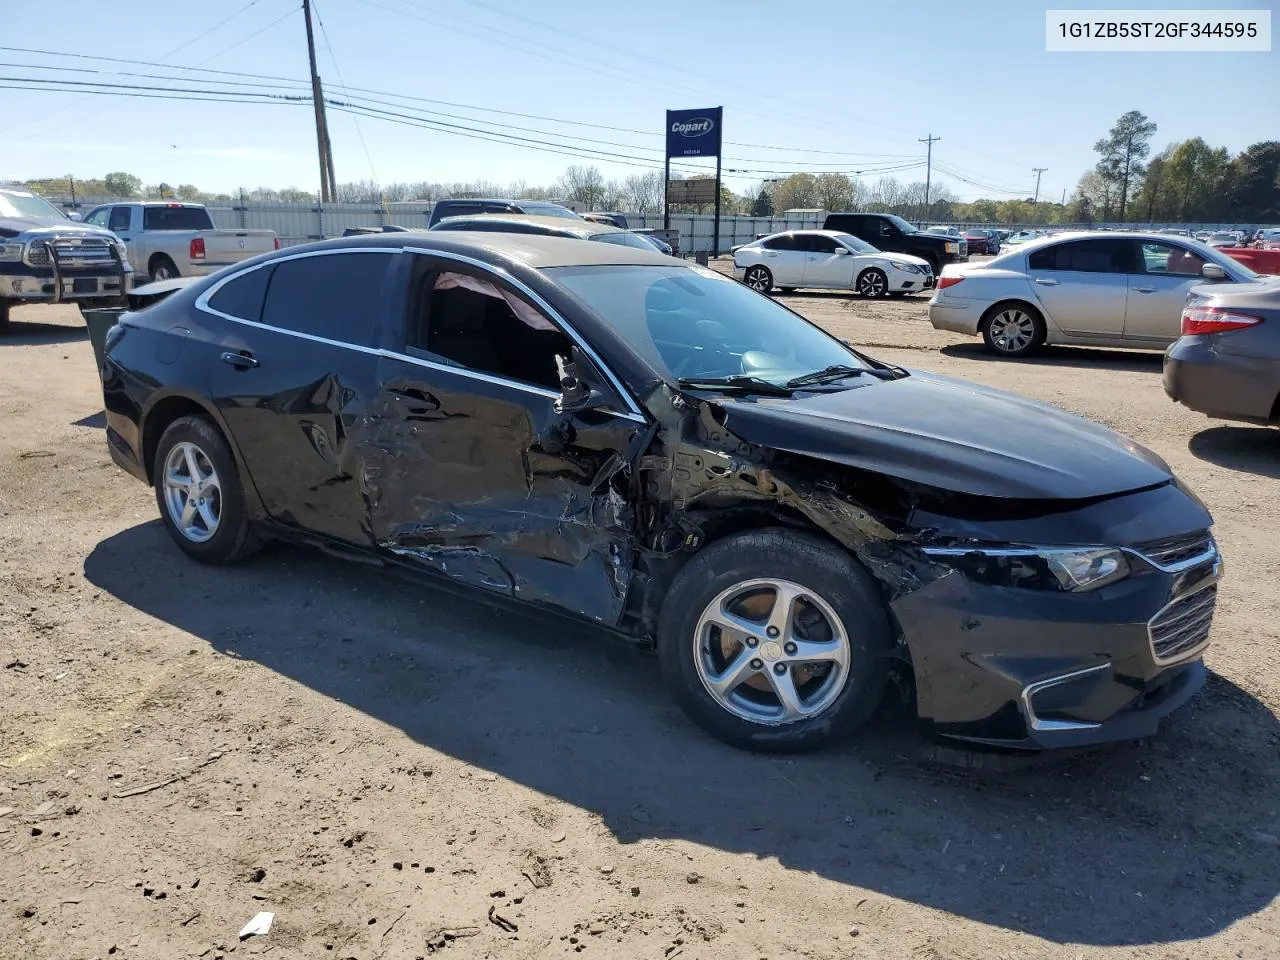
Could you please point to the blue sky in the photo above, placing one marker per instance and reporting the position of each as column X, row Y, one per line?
column 806, row 85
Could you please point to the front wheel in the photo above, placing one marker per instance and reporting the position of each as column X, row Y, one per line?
column 758, row 278
column 4, row 317
column 774, row 640
column 198, row 491
column 1013, row 330
column 873, row 283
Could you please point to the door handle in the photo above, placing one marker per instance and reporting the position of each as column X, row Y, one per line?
column 1046, row 282
column 241, row 361
column 1144, row 289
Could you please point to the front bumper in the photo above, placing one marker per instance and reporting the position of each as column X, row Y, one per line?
column 40, row 286
column 1221, row 385
column 1029, row 670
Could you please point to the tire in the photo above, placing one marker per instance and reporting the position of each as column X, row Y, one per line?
column 162, row 268
column 758, row 278
column 935, row 265
column 4, row 317
column 872, row 283
column 1013, row 329
column 826, row 582
column 229, row 538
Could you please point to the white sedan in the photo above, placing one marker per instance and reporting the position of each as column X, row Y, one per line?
column 1100, row 289
column 830, row 260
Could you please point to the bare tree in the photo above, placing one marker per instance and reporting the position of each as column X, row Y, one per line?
column 643, row 192
column 582, row 184
column 835, row 191
column 798, row 191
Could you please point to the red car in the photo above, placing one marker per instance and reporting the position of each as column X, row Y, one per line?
column 982, row 241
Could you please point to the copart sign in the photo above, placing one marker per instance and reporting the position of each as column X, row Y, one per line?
column 694, row 133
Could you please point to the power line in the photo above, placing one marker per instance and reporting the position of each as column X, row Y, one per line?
column 342, row 80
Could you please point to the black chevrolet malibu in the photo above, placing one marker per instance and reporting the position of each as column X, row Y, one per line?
column 652, row 447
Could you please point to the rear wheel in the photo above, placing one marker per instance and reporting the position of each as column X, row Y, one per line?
column 873, row 283
column 198, row 491
column 774, row 640
column 162, row 268
column 758, row 278
column 4, row 317
column 1013, row 329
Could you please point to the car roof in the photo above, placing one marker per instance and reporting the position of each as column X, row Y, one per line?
column 497, row 249
column 813, row 232
column 585, row 228
column 1100, row 235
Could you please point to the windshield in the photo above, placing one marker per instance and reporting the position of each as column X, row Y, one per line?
column 14, row 203
column 548, row 210
column 902, row 224
column 624, row 239
column 693, row 323
column 855, row 244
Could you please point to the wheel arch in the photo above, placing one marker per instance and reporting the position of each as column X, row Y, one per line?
column 163, row 410
column 161, row 257
column 1028, row 302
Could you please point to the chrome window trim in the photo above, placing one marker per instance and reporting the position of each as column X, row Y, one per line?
column 1031, row 689
column 202, row 303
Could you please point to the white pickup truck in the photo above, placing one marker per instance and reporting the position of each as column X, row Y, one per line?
column 165, row 239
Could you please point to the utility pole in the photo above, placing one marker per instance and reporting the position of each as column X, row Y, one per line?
column 1037, row 171
column 930, row 140
column 327, row 185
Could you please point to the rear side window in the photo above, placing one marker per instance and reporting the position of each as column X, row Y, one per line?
column 176, row 218
column 334, row 296
column 1085, row 256
column 243, row 296
column 816, row 243
column 784, row 242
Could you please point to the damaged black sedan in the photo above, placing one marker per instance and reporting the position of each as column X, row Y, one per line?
column 654, row 448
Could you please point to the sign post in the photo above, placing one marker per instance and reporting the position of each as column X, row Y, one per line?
column 693, row 133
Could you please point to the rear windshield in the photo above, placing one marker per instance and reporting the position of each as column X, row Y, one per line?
column 548, row 210
column 176, row 218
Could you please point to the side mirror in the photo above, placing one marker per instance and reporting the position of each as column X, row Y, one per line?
column 841, row 251
column 1212, row 271
column 577, row 393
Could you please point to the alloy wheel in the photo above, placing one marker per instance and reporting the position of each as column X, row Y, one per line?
column 1012, row 330
column 161, row 272
column 771, row 651
column 192, row 492
column 871, row 284
column 758, row 279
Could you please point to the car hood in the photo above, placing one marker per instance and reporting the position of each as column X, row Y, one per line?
column 951, row 435
column 894, row 258
column 12, row 226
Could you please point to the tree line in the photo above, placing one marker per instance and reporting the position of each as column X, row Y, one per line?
column 1189, row 182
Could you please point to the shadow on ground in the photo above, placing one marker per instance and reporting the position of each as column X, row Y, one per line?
column 94, row 421
column 26, row 334
column 1137, row 844
column 1248, row 449
column 1093, row 358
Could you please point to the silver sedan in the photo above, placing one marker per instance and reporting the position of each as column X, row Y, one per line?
column 1104, row 289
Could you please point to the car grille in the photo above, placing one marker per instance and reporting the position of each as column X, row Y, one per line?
column 964, row 248
column 1182, row 627
column 1172, row 551
column 72, row 252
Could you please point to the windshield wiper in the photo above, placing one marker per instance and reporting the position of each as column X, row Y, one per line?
column 837, row 371
column 738, row 381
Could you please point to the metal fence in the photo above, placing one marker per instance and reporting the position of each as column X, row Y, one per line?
column 298, row 223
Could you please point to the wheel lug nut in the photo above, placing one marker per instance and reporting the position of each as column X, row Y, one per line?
column 779, row 668
column 756, row 664
column 772, row 631
column 752, row 641
column 790, row 648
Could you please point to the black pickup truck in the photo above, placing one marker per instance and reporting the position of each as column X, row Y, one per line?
column 892, row 234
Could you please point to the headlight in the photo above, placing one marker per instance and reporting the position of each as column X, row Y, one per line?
column 907, row 267
column 1074, row 569
column 953, row 247
column 10, row 251
column 121, row 249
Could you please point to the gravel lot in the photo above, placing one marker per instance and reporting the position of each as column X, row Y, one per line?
column 396, row 771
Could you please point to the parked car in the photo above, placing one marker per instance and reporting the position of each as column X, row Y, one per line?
column 830, row 260
column 983, row 241
column 167, row 239
column 653, row 448
column 1021, row 237
column 546, row 227
column 1227, row 361
column 1099, row 289
column 469, row 207
column 364, row 231
column 46, row 258
column 943, row 231
column 892, row 234
column 1268, row 239
column 668, row 240
column 612, row 218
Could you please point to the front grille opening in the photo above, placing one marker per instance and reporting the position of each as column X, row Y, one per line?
column 1173, row 550
column 1183, row 626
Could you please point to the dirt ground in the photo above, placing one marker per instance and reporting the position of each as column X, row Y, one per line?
column 395, row 771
